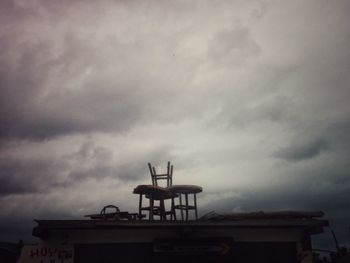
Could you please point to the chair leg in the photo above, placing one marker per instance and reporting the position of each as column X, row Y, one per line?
column 140, row 206
column 195, row 205
column 182, row 212
column 173, row 212
column 151, row 207
column 162, row 210
column 186, row 197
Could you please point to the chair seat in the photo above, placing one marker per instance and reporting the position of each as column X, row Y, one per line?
column 185, row 189
column 154, row 192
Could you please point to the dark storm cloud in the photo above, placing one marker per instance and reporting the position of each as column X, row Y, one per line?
column 339, row 133
column 290, row 197
column 28, row 176
column 301, row 151
column 44, row 91
column 10, row 186
column 57, row 80
column 318, row 138
column 21, row 176
column 26, row 71
column 103, row 166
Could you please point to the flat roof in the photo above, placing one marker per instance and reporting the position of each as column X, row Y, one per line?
column 238, row 220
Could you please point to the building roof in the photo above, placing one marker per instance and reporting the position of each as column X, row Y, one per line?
column 284, row 219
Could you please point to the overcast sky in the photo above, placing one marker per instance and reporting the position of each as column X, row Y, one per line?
column 247, row 98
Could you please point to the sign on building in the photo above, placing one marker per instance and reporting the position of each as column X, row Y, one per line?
column 46, row 254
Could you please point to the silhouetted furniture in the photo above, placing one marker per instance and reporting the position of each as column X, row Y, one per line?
column 186, row 190
column 155, row 193
column 114, row 214
column 168, row 176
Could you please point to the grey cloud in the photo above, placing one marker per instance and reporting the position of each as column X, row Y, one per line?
column 28, row 176
column 303, row 150
column 51, row 89
column 338, row 132
column 233, row 47
column 103, row 165
column 138, row 170
column 317, row 138
column 9, row 185
column 20, row 176
column 114, row 88
column 258, row 98
column 273, row 109
column 26, row 111
column 9, row 9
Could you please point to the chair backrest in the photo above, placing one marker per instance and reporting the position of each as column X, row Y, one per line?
column 168, row 176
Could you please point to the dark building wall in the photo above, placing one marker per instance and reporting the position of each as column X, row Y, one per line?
column 7, row 256
column 238, row 252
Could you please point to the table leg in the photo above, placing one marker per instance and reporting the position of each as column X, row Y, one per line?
column 186, row 196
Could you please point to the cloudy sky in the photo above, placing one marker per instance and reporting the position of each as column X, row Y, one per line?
column 247, row 98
